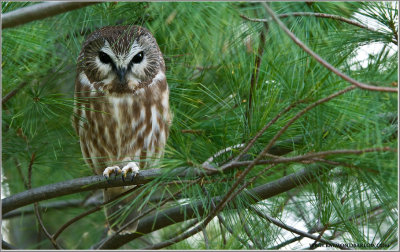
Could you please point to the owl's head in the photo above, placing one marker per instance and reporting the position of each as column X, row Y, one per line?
column 120, row 59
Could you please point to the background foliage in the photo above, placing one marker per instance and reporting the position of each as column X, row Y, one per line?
column 210, row 53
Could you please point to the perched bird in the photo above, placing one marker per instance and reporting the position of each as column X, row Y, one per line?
column 122, row 113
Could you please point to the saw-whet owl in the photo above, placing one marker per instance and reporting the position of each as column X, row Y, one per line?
column 122, row 113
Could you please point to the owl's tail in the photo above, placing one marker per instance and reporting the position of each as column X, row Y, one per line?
column 120, row 213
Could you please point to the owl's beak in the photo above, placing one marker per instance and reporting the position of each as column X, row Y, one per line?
column 121, row 72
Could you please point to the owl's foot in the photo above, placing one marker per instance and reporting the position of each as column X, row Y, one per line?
column 110, row 170
column 130, row 167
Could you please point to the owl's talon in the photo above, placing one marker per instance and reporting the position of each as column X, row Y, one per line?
column 130, row 167
column 110, row 170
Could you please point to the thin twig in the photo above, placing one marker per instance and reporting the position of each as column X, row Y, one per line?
column 178, row 236
column 36, row 208
column 240, row 239
column 311, row 157
column 318, row 15
column 192, row 131
column 294, row 230
column 299, row 210
column 320, row 228
column 205, row 236
column 314, row 245
column 147, row 211
column 247, row 230
column 222, row 230
column 30, row 170
column 222, row 222
column 38, row 11
column 207, row 164
column 18, row 165
column 287, row 242
column 13, row 92
column 90, row 211
column 393, row 28
column 322, row 61
column 255, row 74
column 62, row 204
column 259, row 133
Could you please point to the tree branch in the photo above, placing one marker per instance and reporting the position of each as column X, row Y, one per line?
column 13, row 92
column 295, row 230
column 188, row 211
column 234, row 190
column 73, row 186
column 254, row 75
column 318, row 15
column 39, row 11
column 36, row 208
column 322, row 61
column 98, row 182
column 62, row 204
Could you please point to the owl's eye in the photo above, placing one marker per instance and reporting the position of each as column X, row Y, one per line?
column 104, row 57
column 137, row 58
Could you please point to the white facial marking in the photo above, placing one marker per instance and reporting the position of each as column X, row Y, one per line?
column 105, row 68
column 159, row 77
column 83, row 79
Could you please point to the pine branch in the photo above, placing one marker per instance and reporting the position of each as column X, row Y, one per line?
column 321, row 60
column 74, row 186
column 36, row 208
column 188, row 211
column 295, row 230
column 234, row 190
column 90, row 211
column 39, row 11
column 13, row 92
column 255, row 74
column 98, row 182
column 62, row 204
column 319, row 15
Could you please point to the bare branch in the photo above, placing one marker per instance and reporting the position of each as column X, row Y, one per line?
column 62, row 204
column 93, row 210
column 247, row 230
column 98, row 182
column 13, row 92
column 254, row 139
column 36, row 208
column 312, row 157
column 254, row 76
column 39, row 11
column 322, row 61
column 222, row 222
column 295, row 230
column 287, row 242
column 318, row 15
column 73, row 186
column 206, row 241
